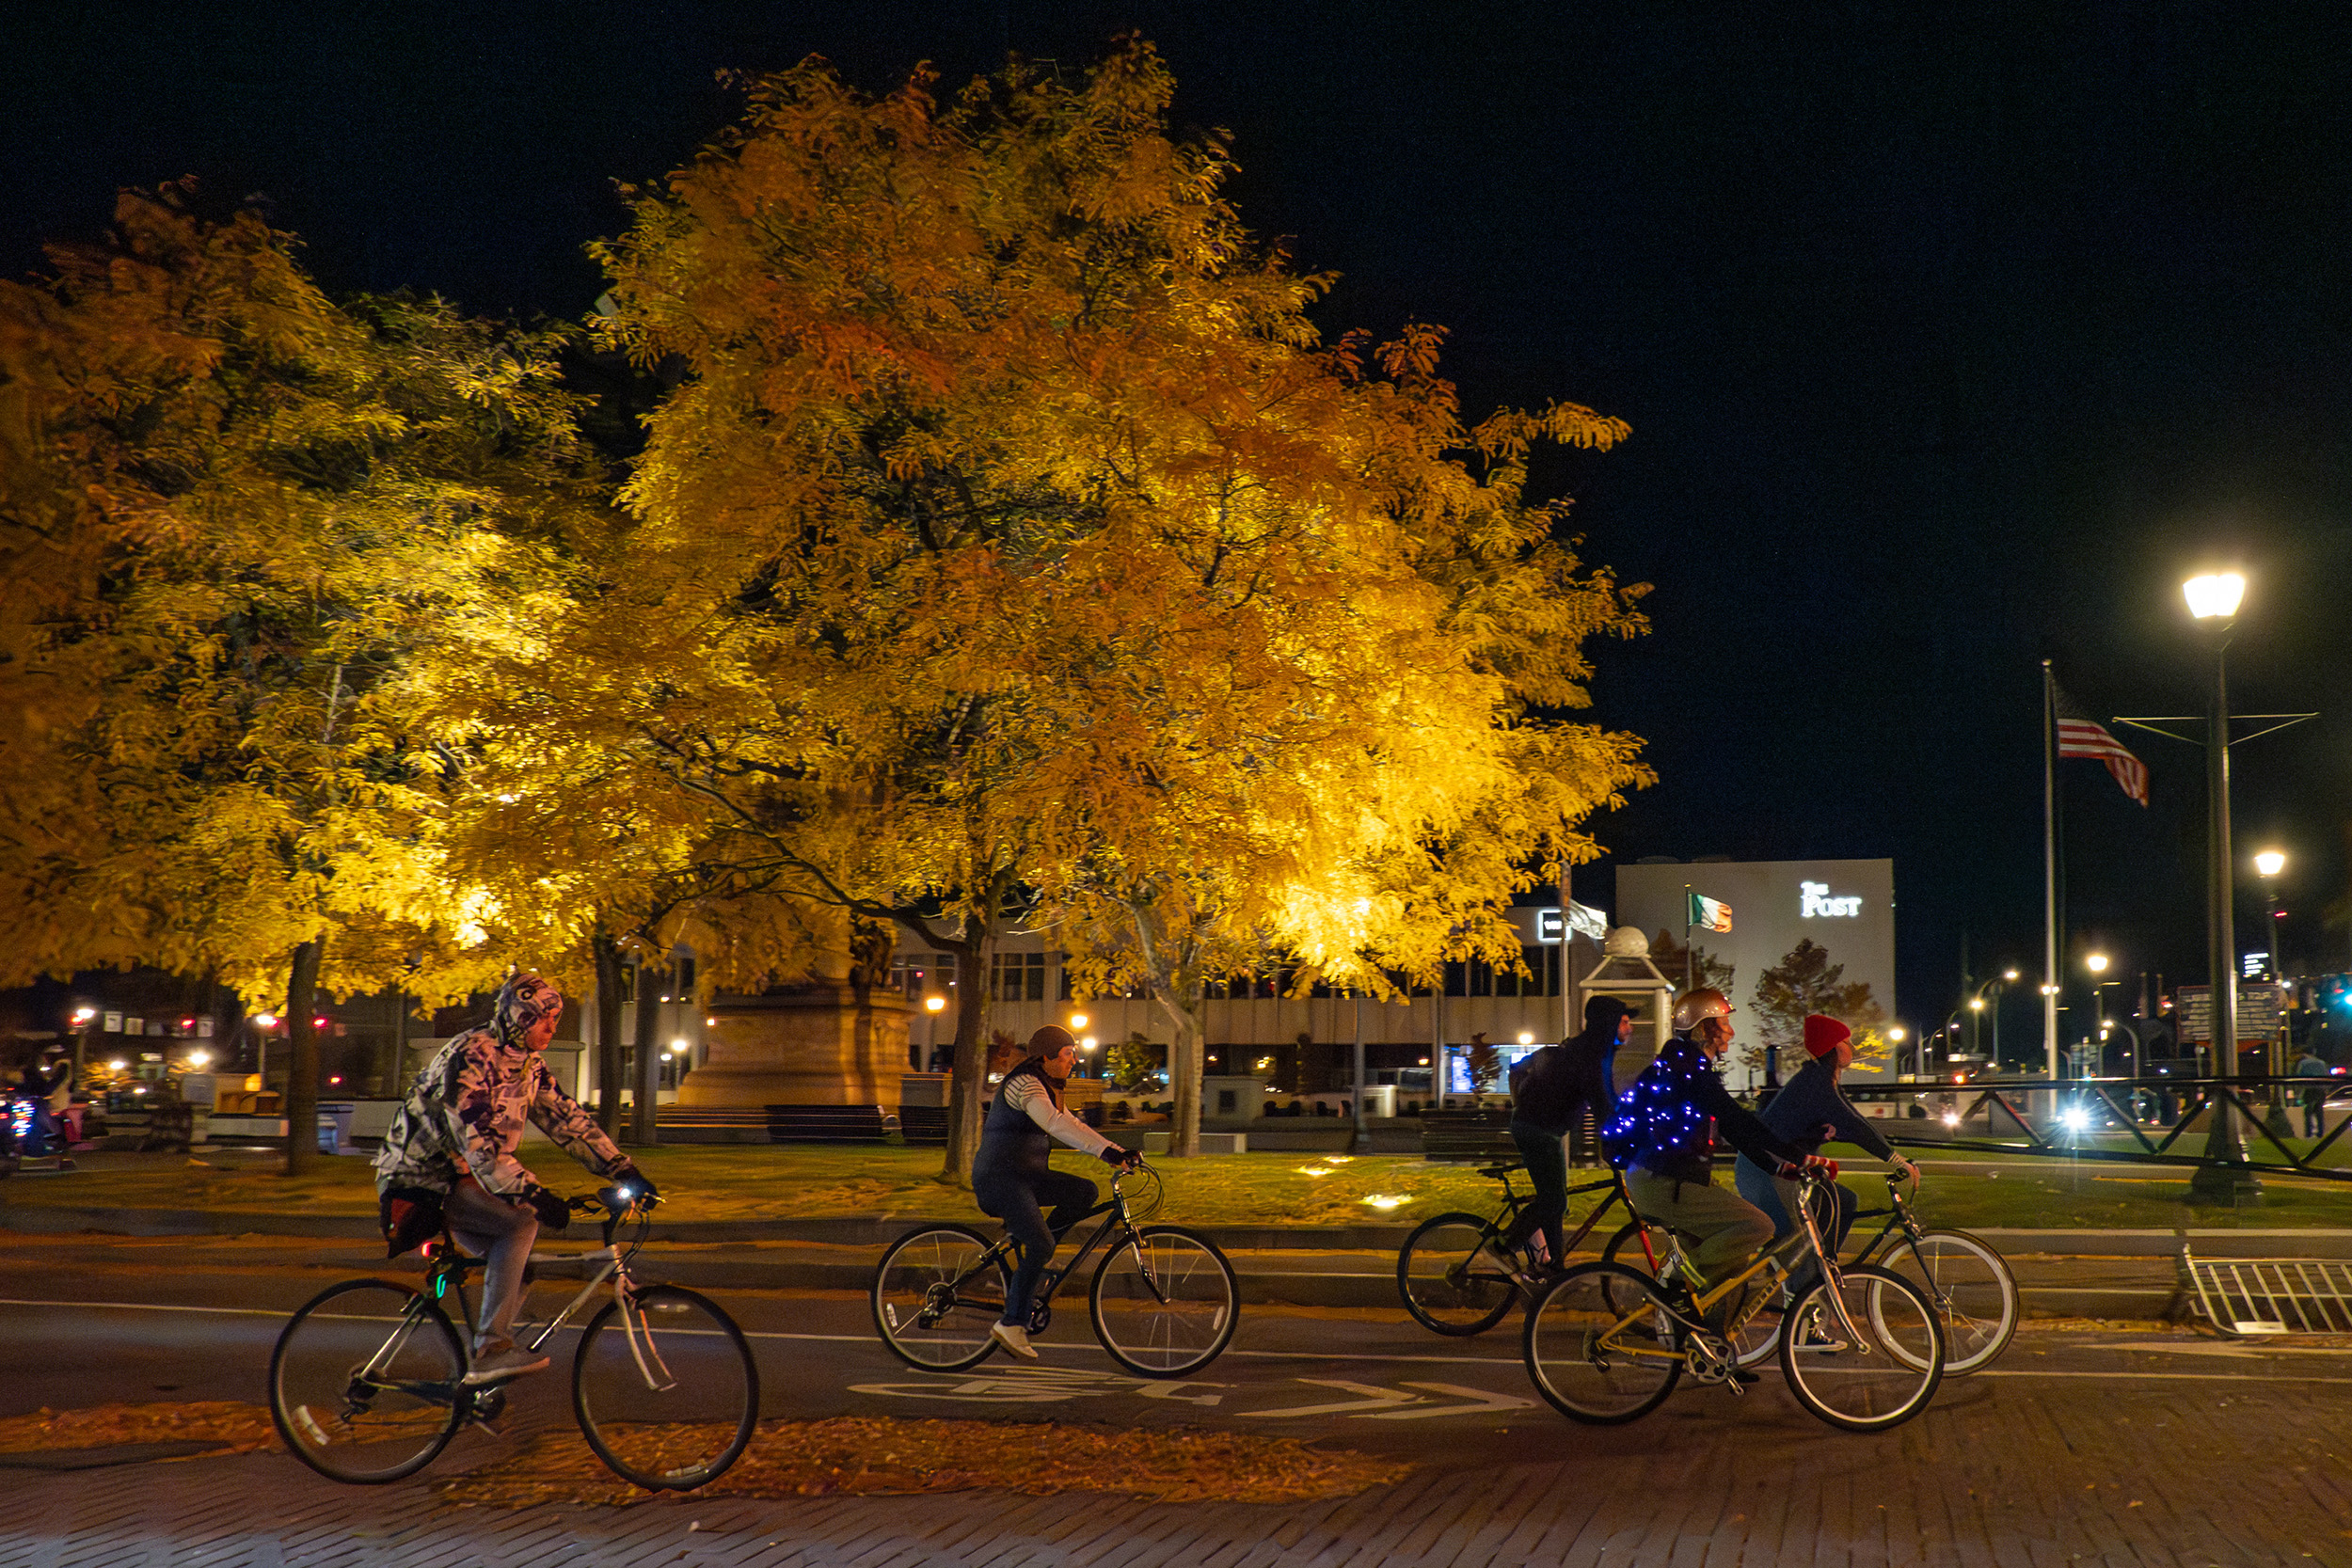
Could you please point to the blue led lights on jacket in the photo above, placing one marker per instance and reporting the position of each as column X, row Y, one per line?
column 1667, row 1121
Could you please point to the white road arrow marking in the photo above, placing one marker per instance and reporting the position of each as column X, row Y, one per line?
column 1482, row 1402
column 1372, row 1398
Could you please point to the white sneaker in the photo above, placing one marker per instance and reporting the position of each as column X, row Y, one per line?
column 1014, row 1339
column 499, row 1365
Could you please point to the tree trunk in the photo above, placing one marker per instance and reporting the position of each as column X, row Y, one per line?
column 612, row 980
column 302, row 1062
column 1183, row 1133
column 640, row 1117
column 967, row 1079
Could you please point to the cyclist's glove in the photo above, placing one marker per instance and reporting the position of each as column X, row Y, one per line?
column 1812, row 1165
column 636, row 1181
column 554, row 1214
column 1128, row 1158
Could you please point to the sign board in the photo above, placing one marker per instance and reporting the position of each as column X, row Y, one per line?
column 2258, row 1012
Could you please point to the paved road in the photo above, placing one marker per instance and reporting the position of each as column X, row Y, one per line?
column 2139, row 1448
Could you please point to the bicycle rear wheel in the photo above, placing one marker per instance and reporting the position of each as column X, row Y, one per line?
column 934, row 1303
column 1165, row 1305
column 364, row 1382
column 1973, row 1288
column 666, row 1388
column 1450, row 1282
column 1600, row 1345
column 1879, row 1381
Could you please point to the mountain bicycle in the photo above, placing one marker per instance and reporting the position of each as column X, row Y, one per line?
column 1164, row 1300
column 367, row 1382
column 1862, row 1348
column 1969, row 1283
column 1460, row 1274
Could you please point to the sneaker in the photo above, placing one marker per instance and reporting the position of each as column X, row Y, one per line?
column 500, row 1365
column 1014, row 1339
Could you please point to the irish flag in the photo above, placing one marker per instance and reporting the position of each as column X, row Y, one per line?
column 1709, row 915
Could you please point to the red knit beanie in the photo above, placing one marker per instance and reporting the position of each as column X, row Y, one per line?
column 1823, row 1034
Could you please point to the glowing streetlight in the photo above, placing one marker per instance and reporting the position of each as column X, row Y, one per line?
column 2270, row 863
column 198, row 1058
column 2096, row 963
column 934, row 1003
column 2213, row 602
column 1077, row 1020
column 267, row 1020
column 2213, row 595
column 1527, row 1037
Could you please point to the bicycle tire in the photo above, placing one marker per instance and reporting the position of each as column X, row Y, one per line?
column 666, row 1388
column 1452, row 1283
column 931, row 1271
column 1866, row 1387
column 1601, row 1346
column 360, row 1427
column 1973, row 1287
column 1165, row 1304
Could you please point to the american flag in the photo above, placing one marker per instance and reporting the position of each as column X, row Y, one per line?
column 2081, row 736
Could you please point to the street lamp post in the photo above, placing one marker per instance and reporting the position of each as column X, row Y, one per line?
column 2212, row 601
column 1894, row 1037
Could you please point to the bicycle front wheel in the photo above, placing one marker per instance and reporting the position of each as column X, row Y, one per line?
column 666, row 1388
column 364, row 1382
column 934, row 1302
column 1880, row 1380
column 1450, row 1281
column 1165, row 1302
column 1601, row 1346
column 1971, row 1288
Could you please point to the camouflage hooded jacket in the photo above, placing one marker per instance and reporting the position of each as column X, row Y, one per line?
column 464, row 1113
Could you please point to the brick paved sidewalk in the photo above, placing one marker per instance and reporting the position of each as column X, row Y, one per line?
column 2018, row 1471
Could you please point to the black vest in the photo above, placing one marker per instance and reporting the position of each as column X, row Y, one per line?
column 1010, row 1141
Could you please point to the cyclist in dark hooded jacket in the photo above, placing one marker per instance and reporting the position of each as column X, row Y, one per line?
column 1549, row 1091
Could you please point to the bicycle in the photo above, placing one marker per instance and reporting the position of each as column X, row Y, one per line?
column 1969, row 1283
column 1458, row 1273
column 367, row 1382
column 1163, row 1302
column 1862, row 1348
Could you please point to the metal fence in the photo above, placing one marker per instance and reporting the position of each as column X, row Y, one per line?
column 2058, row 1118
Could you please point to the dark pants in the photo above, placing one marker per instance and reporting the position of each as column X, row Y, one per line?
column 1547, row 1173
column 1773, row 1195
column 1019, row 1198
column 2314, row 1112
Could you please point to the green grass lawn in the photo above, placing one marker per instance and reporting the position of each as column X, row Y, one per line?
column 714, row 1183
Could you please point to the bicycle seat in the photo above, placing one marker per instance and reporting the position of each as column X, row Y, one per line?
column 1496, row 1173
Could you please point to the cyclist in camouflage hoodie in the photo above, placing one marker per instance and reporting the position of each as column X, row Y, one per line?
column 449, row 1157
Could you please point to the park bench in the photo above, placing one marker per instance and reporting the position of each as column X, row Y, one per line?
column 1466, row 1137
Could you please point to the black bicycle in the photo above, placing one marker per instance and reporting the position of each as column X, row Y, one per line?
column 1164, row 1301
column 1969, row 1283
column 367, row 1382
column 1460, row 1274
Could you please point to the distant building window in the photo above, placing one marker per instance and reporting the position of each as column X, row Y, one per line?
column 1456, row 978
column 1225, row 1103
column 1017, row 977
column 1482, row 977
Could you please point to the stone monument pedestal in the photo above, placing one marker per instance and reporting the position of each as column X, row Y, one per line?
column 826, row 1043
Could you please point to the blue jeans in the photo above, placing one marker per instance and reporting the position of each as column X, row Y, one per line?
column 1774, row 1196
column 1018, row 1197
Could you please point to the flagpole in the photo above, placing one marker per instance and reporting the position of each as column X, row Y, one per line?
column 2049, row 874
column 1687, row 913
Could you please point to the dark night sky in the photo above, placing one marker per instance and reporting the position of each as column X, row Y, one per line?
column 1950, row 341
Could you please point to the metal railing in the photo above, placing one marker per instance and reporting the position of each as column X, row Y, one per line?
column 2048, row 1116
column 2250, row 1296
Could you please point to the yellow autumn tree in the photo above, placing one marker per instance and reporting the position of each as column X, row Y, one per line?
column 1014, row 541
column 240, row 518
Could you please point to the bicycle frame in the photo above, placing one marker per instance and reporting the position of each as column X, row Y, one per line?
column 1003, row 1252
column 1779, row 1260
